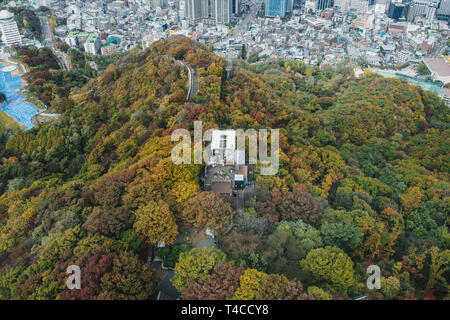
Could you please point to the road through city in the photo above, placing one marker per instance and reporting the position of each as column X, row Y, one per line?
column 47, row 37
column 250, row 16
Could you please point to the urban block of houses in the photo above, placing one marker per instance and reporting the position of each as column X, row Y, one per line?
column 89, row 40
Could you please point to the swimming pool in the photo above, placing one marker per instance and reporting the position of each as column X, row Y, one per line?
column 426, row 85
column 15, row 106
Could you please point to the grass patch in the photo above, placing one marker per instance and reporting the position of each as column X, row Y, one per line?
column 36, row 102
column 7, row 123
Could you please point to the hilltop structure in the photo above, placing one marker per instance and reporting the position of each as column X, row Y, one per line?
column 226, row 170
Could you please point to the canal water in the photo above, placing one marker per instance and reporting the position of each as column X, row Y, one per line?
column 15, row 106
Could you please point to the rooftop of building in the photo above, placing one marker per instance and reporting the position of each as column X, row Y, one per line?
column 92, row 37
column 5, row 15
column 439, row 66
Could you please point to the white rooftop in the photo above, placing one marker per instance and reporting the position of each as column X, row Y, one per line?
column 223, row 139
column 5, row 15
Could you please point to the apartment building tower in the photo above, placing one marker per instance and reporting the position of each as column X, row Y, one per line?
column 425, row 8
column 210, row 11
column 9, row 29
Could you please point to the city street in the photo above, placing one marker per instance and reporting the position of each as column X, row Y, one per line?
column 245, row 23
column 47, row 38
column 46, row 32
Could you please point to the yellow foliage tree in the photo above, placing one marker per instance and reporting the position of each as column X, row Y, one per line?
column 251, row 281
column 331, row 267
column 155, row 223
column 411, row 199
column 195, row 264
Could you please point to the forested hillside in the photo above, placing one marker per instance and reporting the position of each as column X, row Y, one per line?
column 363, row 179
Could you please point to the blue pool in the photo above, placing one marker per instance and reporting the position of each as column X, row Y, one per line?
column 425, row 84
column 16, row 106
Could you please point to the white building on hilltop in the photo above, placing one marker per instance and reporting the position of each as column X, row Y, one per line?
column 9, row 29
column 223, row 147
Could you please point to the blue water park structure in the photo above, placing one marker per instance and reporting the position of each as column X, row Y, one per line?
column 15, row 104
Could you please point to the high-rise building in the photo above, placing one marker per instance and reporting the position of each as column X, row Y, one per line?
column 323, row 4
column 359, row 6
column 209, row 11
column 221, row 11
column 235, row 7
column 195, row 10
column 181, row 9
column 278, row 7
column 159, row 4
column 381, row 6
column 396, row 11
column 9, row 29
column 443, row 12
column 425, row 8
column 343, row 5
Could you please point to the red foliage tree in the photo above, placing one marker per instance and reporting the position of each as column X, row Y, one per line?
column 220, row 285
column 109, row 222
column 299, row 204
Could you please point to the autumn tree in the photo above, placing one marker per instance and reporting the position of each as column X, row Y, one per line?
column 194, row 265
column 250, row 282
column 330, row 266
column 319, row 294
column 220, row 285
column 110, row 188
column 273, row 288
column 94, row 265
column 390, row 287
column 155, row 223
column 411, row 199
column 299, row 204
column 240, row 244
column 109, row 222
column 130, row 278
column 375, row 148
column 295, row 291
column 208, row 210
column 440, row 261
